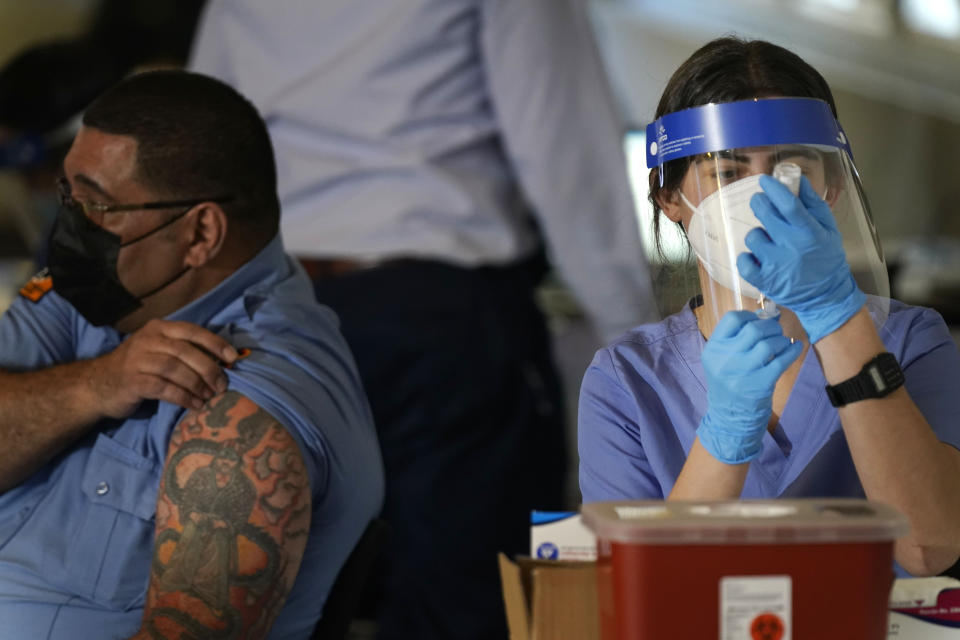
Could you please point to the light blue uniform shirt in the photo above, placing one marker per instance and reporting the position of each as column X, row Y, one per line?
column 423, row 128
column 76, row 539
column 643, row 397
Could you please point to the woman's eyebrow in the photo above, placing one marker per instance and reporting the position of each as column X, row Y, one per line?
column 800, row 151
column 722, row 155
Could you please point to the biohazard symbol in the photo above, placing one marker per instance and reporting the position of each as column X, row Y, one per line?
column 766, row 626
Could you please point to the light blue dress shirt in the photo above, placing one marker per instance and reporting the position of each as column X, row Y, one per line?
column 422, row 128
column 76, row 539
column 643, row 397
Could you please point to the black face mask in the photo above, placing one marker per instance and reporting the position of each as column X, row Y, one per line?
column 83, row 264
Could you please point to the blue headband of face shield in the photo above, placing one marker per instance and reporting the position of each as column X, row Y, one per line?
column 747, row 123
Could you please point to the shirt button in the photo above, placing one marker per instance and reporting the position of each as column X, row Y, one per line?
column 102, row 489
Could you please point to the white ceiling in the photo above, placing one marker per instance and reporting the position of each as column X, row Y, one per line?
column 868, row 54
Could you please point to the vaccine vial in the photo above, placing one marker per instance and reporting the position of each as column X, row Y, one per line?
column 789, row 174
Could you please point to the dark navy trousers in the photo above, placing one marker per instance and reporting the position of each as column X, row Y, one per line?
column 458, row 369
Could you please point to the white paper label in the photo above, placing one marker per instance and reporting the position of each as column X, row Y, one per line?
column 904, row 627
column 755, row 608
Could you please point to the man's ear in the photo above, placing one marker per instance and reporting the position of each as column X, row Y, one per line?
column 208, row 234
column 670, row 204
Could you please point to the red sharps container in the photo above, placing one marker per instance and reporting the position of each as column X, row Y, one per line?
column 812, row 569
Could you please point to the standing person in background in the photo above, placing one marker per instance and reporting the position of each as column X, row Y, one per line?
column 414, row 140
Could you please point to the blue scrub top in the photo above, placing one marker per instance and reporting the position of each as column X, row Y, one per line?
column 644, row 395
column 76, row 539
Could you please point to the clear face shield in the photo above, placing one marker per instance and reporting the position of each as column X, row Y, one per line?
column 728, row 147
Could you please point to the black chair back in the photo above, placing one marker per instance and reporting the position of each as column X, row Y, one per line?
column 344, row 598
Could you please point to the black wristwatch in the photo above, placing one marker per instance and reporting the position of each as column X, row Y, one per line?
column 878, row 378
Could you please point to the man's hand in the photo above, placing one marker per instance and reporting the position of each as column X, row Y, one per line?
column 173, row 361
column 177, row 362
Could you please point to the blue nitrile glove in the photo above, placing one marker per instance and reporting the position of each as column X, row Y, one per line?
column 797, row 258
column 742, row 360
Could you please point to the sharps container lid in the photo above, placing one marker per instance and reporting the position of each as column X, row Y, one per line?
column 798, row 521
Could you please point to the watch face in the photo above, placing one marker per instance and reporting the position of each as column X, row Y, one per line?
column 878, row 378
column 889, row 372
column 878, row 382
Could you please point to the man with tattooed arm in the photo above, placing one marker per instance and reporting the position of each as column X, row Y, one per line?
column 186, row 452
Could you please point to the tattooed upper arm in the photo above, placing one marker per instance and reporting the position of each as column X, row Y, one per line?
column 232, row 518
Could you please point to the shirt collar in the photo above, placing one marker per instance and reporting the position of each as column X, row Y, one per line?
column 269, row 265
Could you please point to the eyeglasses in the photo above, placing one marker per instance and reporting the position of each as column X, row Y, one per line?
column 90, row 209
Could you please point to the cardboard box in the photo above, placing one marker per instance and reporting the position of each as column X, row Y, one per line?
column 550, row 599
column 924, row 609
column 561, row 535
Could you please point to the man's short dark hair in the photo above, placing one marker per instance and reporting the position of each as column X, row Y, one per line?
column 196, row 138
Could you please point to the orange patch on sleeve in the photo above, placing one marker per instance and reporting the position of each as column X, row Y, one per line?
column 37, row 287
column 242, row 353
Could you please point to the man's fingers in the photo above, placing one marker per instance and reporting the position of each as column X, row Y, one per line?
column 207, row 340
column 201, row 362
column 157, row 388
column 172, row 370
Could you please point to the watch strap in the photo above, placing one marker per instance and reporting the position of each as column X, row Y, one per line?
column 880, row 377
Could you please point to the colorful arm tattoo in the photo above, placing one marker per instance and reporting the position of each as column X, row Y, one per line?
column 233, row 513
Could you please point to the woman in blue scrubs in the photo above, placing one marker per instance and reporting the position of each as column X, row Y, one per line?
column 789, row 375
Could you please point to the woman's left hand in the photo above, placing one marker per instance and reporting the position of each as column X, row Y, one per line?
column 797, row 258
column 742, row 361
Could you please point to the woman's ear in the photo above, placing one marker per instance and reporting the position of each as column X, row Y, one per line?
column 670, row 204
column 831, row 195
column 208, row 234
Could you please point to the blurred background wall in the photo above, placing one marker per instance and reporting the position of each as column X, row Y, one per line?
column 25, row 23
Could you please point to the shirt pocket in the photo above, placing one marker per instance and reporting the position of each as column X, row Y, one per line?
column 109, row 556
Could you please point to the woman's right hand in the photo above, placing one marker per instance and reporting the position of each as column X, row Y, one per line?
column 743, row 359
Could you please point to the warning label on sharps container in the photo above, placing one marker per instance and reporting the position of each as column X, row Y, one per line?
column 755, row 608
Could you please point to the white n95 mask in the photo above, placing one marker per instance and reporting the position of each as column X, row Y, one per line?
column 718, row 229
